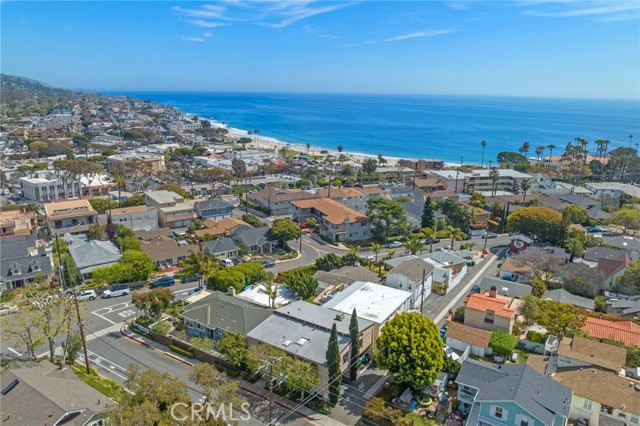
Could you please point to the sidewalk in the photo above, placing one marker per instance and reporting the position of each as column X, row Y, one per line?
column 256, row 389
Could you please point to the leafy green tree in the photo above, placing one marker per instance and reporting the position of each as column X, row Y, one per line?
column 174, row 187
column 628, row 218
column 252, row 220
column 334, row 364
column 538, row 287
column 477, row 200
column 140, row 263
column 233, row 348
column 541, row 222
column 252, row 271
column 226, row 278
column 629, row 281
column 508, row 159
column 450, row 366
column 299, row 375
column 135, row 200
column 285, row 230
column 96, row 231
column 530, row 309
column 388, row 218
column 377, row 412
column 103, row 205
column 152, row 302
column 328, row 262
column 302, row 283
column 575, row 214
column 129, row 242
column 151, row 397
column 558, row 317
column 428, row 214
column 354, row 334
column 410, row 347
column 503, row 343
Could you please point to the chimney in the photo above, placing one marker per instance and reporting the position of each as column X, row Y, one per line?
column 340, row 316
column 492, row 291
column 231, row 291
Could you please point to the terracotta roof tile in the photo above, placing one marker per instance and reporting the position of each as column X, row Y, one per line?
column 498, row 305
column 332, row 211
column 621, row 331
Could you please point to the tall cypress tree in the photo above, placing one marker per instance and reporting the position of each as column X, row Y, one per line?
column 333, row 362
column 354, row 332
column 428, row 217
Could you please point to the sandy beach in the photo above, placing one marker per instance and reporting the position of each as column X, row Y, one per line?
column 262, row 142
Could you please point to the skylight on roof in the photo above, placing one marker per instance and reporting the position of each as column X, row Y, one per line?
column 301, row 341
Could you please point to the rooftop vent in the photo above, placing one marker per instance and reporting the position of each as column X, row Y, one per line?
column 286, row 343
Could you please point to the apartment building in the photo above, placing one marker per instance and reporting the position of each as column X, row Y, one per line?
column 335, row 221
column 126, row 162
column 173, row 212
column 73, row 217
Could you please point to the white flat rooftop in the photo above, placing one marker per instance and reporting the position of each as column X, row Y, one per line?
column 374, row 302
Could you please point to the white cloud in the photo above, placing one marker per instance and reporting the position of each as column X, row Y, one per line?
column 593, row 9
column 193, row 39
column 207, row 34
column 207, row 11
column 311, row 29
column 206, row 24
column 417, row 34
column 295, row 11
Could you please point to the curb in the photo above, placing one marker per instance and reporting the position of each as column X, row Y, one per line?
column 300, row 256
column 138, row 341
column 252, row 392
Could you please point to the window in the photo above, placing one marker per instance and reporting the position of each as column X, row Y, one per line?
column 497, row 412
column 15, row 269
column 634, row 419
column 523, row 420
column 587, row 405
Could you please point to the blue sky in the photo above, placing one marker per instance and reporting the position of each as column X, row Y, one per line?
column 517, row 48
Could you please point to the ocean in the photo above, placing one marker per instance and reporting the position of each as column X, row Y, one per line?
column 420, row 126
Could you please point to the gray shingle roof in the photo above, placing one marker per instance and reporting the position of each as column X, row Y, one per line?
column 413, row 269
column 254, row 236
column 321, row 317
column 594, row 254
column 46, row 394
column 562, row 295
column 213, row 205
column 538, row 394
column 16, row 250
column 229, row 313
column 91, row 254
column 507, row 288
column 221, row 245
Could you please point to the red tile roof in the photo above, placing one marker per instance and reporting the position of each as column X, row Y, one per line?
column 626, row 332
column 498, row 305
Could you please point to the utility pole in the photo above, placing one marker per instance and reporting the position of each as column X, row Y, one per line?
column 271, row 384
column 457, row 173
column 75, row 301
column 424, row 277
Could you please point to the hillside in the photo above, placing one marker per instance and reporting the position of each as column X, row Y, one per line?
column 14, row 84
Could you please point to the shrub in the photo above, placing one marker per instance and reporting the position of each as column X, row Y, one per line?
column 503, row 343
column 535, row 337
column 181, row 351
column 161, row 327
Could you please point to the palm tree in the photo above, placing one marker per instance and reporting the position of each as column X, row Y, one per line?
column 381, row 160
column 430, row 235
column 347, row 171
column 369, row 166
column 256, row 132
column 354, row 250
column 484, row 145
column 525, row 148
column 414, row 245
column 455, row 234
column 583, row 147
column 390, row 253
column 550, row 148
column 525, row 185
column 494, row 174
column 308, row 147
column 539, row 152
column 199, row 263
column 271, row 289
column 375, row 248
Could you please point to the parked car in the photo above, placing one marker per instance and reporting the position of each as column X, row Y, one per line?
column 226, row 262
column 432, row 241
column 190, row 278
column 8, row 309
column 450, row 353
column 490, row 235
column 592, row 229
column 443, row 330
column 163, row 282
column 268, row 263
column 394, row 245
column 116, row 290
column 237, row 260
column 195, row 291
column 87, row 295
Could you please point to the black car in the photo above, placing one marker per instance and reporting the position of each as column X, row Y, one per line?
column 433, row 241
column 237, row 260
column 190, row 278
column 268, row 263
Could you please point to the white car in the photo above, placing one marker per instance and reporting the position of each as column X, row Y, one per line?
column 450, row 353
column 87, row 295
column 394, row 244
column 8, row 309
column 116, row 290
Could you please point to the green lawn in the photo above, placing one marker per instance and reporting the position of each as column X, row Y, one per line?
column 522, row 356
column 108, row 388
column 417, row 420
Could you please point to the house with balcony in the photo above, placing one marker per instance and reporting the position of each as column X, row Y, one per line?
column 214, row 209
column 335, row 221
column 173, row 212
column 303, row 329
column 136, row 218
column 278, row 201
column 348, row 197
column 22, row 258
column 17, row 222
column 414, row 276
column 511, row 395
column 489, row 312
column 70, row 217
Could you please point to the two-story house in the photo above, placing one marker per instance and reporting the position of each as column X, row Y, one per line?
column 214, row 209
column 278, row 201
column 511, row 395
column 303, row 329
column 489, row 312
column 136, row 218
column 349, row 197
column 70, row 217
column 335, row 221
column 173, row 212
column 413, row 276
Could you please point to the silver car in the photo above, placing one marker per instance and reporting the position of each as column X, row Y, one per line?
column 87, row 295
